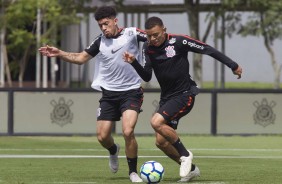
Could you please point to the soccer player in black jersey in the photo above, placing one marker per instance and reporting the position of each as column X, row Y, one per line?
column 166, row 54
column 122, row 94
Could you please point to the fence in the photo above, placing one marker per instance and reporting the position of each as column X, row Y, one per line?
column 73, row 112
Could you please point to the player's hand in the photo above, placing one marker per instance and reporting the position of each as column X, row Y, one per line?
column 128, row 57
column 49, row 51
column 238, row 72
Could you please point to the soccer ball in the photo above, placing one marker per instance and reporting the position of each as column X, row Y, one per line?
column 152, row 172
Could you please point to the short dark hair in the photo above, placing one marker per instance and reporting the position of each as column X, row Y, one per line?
column 105, row 12
column 152, row 22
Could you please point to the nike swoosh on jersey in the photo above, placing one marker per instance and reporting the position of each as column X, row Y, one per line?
column 115, row 50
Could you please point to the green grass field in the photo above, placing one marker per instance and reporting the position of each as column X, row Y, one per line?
column 81, row 160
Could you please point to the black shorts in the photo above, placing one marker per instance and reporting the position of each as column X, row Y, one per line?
column 175, row 108
column 114, row 103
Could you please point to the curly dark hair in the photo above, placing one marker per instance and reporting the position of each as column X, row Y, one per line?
column 152, row 22
column 105, row 12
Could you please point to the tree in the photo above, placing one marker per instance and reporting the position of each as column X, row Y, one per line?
column 193, row 11
column 3, row 52
column 193, row 16
column 266, row 22
column 20, row 27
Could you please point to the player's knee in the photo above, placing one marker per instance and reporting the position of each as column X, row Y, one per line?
column 101, row 137
column 161, row 144
column 155, row 124
column 128, row 132
column 158, row 145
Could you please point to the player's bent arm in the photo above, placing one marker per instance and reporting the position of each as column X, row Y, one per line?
column 76, row 58
column 145, row 73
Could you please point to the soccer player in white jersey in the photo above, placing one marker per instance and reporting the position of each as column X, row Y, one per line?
column 122, row 95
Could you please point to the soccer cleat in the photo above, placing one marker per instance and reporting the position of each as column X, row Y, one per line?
column 185, row 166
column 113, row 162
column 134, row 178
column 191, row 175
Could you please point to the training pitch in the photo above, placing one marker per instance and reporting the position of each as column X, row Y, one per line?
column 81, row 160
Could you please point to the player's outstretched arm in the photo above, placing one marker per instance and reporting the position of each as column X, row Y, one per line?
column 238, row 72
column 49, row 51
column 76, row 58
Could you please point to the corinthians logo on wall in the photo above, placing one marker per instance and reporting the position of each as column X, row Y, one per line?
column 264, row 115
column 61, row 113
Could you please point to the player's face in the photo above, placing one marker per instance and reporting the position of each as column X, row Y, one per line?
column 108, row 26
column 156, row 35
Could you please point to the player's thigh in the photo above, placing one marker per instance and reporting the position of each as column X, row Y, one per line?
column 130, row 107
column 129, row 120
column 177, row 107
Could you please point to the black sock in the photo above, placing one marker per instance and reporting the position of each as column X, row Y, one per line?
column 113, row 149
column 132, row 164
column 180, row 148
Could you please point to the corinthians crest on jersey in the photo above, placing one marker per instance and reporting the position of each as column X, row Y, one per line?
column 170, row 52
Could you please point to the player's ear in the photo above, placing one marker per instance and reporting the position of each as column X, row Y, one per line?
column 164, row 28
column 115, row 20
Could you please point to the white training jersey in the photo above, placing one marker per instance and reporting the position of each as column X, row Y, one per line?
column 111, row 71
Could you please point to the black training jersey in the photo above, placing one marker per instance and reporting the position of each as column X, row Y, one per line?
column 170, row 63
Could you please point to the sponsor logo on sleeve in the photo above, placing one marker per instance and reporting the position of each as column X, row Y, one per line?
column 192, row 44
